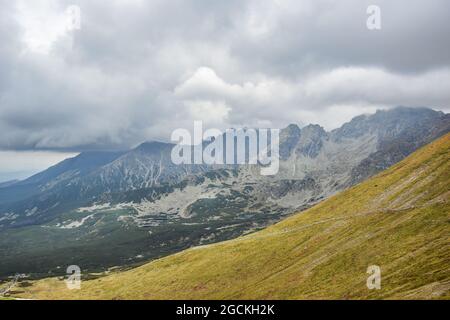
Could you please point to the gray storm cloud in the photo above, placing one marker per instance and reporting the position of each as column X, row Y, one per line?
column 139, row 69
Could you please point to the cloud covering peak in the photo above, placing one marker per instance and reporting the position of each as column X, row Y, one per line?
column 136, row 70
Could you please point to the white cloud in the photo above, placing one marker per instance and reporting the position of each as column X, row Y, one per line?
column 212, row 113
column 43, row 22
column 138, row 70
column 328, row 98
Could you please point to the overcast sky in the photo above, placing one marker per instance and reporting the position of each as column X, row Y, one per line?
column 136, row 70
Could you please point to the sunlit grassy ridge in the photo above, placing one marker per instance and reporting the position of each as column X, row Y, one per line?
column 398, row 220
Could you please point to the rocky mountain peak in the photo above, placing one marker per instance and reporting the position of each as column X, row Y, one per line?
column 311, row 140
column 313, row 132
column 289, row 138
column 153, row 146
column 387, row 123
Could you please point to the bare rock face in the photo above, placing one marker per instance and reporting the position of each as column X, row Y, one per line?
column 311, row 141
column 400, row 132
column 289, row 138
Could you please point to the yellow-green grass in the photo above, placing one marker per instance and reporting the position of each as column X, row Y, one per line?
column 398, row 220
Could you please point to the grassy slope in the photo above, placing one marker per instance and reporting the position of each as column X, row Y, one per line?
column 398, row 220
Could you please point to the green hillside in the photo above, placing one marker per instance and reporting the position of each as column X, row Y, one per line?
column 398, row 220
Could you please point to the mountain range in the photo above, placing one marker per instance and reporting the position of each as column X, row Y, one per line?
column 396, row 222
column 104, row 209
